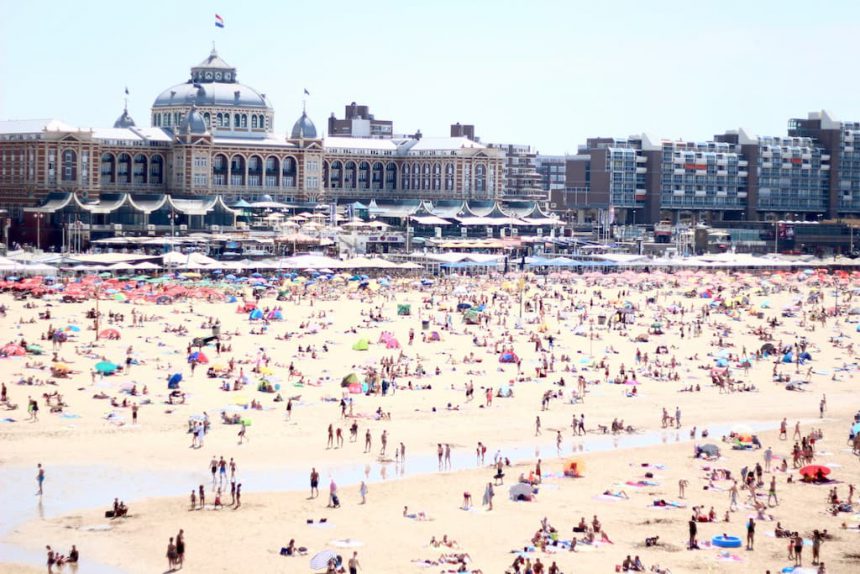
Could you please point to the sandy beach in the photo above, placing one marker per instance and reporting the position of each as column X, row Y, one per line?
column 696, row 330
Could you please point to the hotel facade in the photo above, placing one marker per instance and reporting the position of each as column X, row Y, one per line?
column 211, row 143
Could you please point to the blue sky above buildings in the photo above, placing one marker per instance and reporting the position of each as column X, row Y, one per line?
column 541, row 72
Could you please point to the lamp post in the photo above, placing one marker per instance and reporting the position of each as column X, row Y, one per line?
column 39, row 217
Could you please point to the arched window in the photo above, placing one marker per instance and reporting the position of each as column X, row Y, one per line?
column 219, row 169
column 208, row 119
column 449, row 177
column 416, row 177
column 272, row 169
column 108, row 168
column 376, row 176
column 254, row 122
column 349, row 175
column 237, row 120
column 123, row 168
column 237, row 171
column 255, row 170
column 336, row 172
column 156, row 170
column 437, row 177
column 288, row 173
column 70, row 165
column 391, row 176
column 139, row 174
column 404, row 184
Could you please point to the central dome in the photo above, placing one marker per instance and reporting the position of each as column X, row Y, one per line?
column 211, row 94
column 212, row 83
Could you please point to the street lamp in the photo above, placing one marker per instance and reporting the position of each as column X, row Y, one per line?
column 39, row 217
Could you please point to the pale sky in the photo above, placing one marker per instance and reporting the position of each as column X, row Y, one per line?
column 539, row 72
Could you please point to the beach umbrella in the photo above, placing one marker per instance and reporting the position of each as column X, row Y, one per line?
column 321, row 559
column 73, row 328
column 174, row 379
column 105, row 367
column 60, row 368
column 813, row 470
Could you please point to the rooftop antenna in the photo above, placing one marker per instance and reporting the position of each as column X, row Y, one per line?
column 125, row 99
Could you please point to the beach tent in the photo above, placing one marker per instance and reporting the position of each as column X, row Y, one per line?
column 435, row 336
column 12, row 350
column 255, row 315
column 404, row 309
column 105, row 367
column 508, row 357
column 360, row 345
column 574, row 468
column 472, row 317
column 111, row 334
column 813, row 471
column 710, row 450
column 275, row 315
column 787, row 358
column 174, row 380
column 521, row 491
column 350, row 379
column 198, row 357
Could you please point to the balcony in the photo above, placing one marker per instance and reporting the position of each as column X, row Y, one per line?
column 641, row 170
column 641, row 159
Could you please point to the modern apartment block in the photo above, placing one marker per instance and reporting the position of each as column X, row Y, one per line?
column 552, row 170
column 521, row 179
column 360, row 123
column 812, row 174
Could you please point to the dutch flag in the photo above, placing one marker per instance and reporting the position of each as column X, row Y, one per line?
column 219, row 21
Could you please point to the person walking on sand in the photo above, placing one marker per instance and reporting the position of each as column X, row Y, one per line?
column 537, row 425
column 447, row 456
column 243, row 433
column 682, row 486
column 783, row 429
column 353, row 564
column 768, row 458
column 40, row 478
column 52, row 559
column 315, row 483
column 677, row 417
column 362, row 490
column 171, row 556
column 180, row 548
column 750, row 533
column 489, row 493
column 771, row 492
column 368, row 444
column 384, row 440
column 733, row 496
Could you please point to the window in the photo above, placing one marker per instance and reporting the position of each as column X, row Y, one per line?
column 70, row 168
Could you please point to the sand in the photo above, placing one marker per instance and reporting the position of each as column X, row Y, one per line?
column 151, row 466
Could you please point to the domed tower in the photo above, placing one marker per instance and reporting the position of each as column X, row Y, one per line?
column 125, row 120
column 227, row 107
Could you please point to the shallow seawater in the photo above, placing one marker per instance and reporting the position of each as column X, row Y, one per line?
column 76, row 487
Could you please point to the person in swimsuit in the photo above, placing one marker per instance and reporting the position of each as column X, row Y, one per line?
column 40, row 477
column 52, row 559
column 180, row 548
column 315, row 483
column 353, row 564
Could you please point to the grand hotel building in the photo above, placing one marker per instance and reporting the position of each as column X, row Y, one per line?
column 211, row 143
